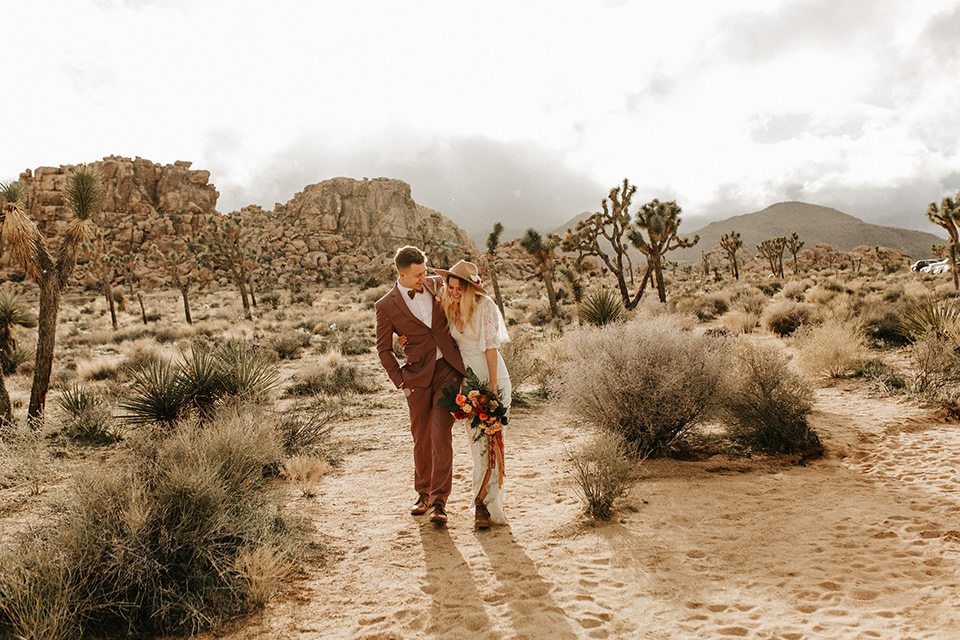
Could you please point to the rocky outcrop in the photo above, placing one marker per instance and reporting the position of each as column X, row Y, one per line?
column 334, row 232
column 344, row 230
column 147, row 203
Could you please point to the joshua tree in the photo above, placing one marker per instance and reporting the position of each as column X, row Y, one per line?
column 731, row 243
column 542, row 256
column 660, row 220
column 604, row 235
column 572, row 277
column 794, row 244
column 772, row 250
column 184, row 271
column 13, row 312
column 84, row 195
column 938, row 251
column 493, row 242
column 103, row 265
column 224, row 247
column 947, row 215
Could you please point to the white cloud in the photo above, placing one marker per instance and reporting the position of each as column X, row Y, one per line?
column 720, row 105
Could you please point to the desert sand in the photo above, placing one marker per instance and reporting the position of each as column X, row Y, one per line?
column 862, row 543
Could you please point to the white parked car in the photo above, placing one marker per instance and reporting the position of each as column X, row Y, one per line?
column 920, row 264
column 941, row 266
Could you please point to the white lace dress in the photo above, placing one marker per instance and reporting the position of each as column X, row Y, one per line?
column 487, row 331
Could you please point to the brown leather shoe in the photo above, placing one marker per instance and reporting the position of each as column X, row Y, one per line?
column 438, row 514
column 482, row 518
column 420, row 507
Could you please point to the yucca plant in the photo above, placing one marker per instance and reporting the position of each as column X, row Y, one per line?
column 246, row 372
column 87, row 417
column 926, row 315
column 601, row 307
column 158, row 395
column 13, row 312
column 201, row 379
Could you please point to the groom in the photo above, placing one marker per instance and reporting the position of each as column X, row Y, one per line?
column 432, row 363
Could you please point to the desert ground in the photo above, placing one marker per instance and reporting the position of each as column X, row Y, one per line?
column 861, row 542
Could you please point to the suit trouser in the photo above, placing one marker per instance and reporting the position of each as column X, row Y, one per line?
column 432, row 437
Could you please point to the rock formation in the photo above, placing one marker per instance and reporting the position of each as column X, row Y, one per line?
column 344, row 230
column 338, row 231
column 147, row 203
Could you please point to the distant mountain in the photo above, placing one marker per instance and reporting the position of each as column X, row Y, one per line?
column 813, row 223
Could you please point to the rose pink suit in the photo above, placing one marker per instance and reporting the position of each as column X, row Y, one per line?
column 425, row 376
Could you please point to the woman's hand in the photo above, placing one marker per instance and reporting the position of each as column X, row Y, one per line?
column 402, row 340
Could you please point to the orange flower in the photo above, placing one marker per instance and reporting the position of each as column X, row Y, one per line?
column 484, row 417
column 473, row 394
column 461, row 399
column 483, row 399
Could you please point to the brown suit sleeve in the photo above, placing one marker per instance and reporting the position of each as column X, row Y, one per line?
column 388, row 358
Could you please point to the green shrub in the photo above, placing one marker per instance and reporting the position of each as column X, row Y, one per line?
column 601, row 307
column 162, row 393
column 270, row 298
column 883, row 325
column 12, row 360
column 331, row 376
column 158, row 548
column 648, row 381
column 783, row 318
column 603, row 470
column 86, row 415
column 289, row 344
column 925, row 315
column 709, row 306
column 767, row 404
column 749, row 300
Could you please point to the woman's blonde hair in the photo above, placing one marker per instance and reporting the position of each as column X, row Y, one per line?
column 467, row 307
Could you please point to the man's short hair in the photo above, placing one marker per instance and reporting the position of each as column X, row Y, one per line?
column 407, row 256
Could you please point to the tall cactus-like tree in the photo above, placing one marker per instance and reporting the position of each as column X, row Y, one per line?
column 772, row 250
column 103, row 266
column 731, row 243
column 84, row 195
column 660, row 221
column 225, row 247
column 493, row 243
column 541, row 253
column 604, row 235
column 184, row 271
column 794, row 244
column 947, row 215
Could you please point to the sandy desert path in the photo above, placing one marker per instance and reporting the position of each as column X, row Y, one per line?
column 863, row 543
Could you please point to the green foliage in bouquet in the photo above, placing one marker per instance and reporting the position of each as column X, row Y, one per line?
column 473, row 400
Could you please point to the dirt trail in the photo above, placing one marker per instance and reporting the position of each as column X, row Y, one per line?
column 864, row 543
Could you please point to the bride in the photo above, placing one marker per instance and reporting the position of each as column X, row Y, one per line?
column 477, row 326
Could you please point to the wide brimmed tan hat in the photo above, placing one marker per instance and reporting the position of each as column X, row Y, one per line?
column 466, row 271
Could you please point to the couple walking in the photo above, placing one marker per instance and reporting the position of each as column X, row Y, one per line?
column 447, row 325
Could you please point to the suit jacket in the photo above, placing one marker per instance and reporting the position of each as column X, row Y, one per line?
column 395, row 317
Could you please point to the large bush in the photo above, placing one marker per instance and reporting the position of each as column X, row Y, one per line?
column 831, row 350
column 767, row 404
column 783, row 318
column 648, row 381
column 171, row 542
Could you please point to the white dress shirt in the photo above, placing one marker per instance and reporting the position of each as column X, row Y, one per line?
column 421, row 306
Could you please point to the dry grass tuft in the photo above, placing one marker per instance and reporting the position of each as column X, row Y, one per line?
column 833, row 349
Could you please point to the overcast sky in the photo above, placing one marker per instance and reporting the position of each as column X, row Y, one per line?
column 522, row 112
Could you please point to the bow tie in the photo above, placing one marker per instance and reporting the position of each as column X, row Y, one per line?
column 412, row 294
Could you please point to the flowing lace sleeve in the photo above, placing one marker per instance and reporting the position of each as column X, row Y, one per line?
column 493, row 330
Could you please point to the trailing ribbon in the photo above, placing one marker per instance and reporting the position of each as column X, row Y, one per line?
column 495, row 450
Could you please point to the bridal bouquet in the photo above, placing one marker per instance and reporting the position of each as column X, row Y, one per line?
column 487, row 416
